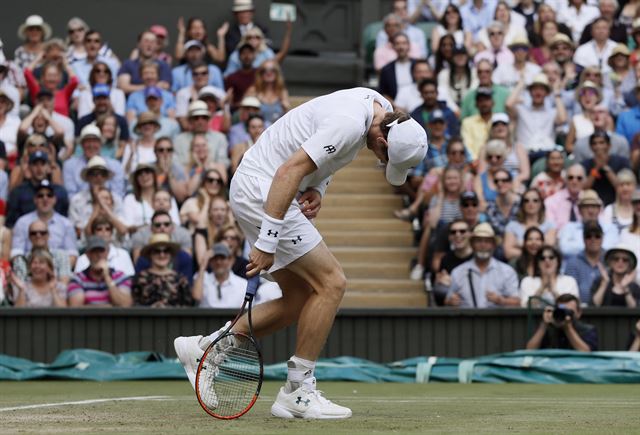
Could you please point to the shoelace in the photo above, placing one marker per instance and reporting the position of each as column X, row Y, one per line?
column 318, row 394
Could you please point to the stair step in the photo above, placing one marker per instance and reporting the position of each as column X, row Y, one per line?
column 387, row 270
column 384, row 300
column 382, row 200
column 323, row 224
column 348, row 174
column 368, row 238
column 362, row 187
column 364, row 254
column 376, row 285
column 360, row 213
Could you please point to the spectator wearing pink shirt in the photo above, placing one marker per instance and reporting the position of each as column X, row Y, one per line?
column 562, row 207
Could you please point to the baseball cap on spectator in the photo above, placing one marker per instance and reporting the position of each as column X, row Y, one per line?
column 44, row 184
column 222, row 250
column 250, row 102
column 95, row 242
column 591, row 228
column 38, row 156
column 540, row 80
column 242, row 5
column 3, row 95
column 153, row 92
column 34, row 21
column 589, row 197
column 484, row 92
column 469, row 197
column 211, row 91
column 199, row 108
column 193, row 43
column 497, row 118
column 561, row 38
column 44, row 93
column 101, row 90
column 96, row 162
column 407, row 146
column 159, row 30
column 495, row 24
column 436, row 115
column 618, row 49
column 483, row 231
column 90, row 130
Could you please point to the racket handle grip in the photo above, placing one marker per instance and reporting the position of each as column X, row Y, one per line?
column 252, row 286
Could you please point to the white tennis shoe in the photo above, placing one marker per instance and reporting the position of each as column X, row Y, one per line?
column 189, row 353
column 307, row 402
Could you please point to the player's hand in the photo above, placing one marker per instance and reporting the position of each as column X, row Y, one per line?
column 310, row 203
column 258, row 261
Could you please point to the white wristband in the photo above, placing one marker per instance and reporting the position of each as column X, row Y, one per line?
column 269, row 236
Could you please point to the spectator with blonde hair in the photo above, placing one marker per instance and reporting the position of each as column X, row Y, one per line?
column 195, row 209
column 270, row 89
column 255, row 37
column 41, row 288
column 218, row 216
column 620, row 212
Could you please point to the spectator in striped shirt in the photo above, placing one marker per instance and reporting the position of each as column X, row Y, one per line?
column 98, row 284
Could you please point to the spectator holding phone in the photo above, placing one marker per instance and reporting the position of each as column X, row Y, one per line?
column 561, row 328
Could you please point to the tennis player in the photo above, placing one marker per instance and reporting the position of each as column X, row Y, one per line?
column 274, row 194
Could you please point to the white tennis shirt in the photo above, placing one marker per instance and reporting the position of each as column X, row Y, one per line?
column 332, row 129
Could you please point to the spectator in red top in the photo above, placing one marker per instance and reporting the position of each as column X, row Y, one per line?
column 242, row 79
column 51, row 79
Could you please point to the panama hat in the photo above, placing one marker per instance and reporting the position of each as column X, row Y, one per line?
column 483, row 231
column 242, row 5
column 160, row 240
column 96, row 162
column 34, row 21
column 146, row 118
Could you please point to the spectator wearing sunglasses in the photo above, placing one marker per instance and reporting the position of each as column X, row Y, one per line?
column 603, row 168
column 85, row 67
column 160, row 223
column 181, row 261
column 61, row 232
column 585, row 267
column 39, row 238
column 212, row 184
column 504, row 208
column 458, row 236
column 570, row 240
column 118, row 258
column 99, row 284
column 616, row 286
column 22, row 197
column 170, row 174
column 160, row 285
column 547, row 283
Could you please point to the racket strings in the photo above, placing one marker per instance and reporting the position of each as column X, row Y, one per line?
column 230, row 376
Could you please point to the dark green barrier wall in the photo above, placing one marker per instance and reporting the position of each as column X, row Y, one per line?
column 378, row 335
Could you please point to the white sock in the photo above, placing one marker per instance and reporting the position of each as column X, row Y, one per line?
column 206, row 340
column 299, row 371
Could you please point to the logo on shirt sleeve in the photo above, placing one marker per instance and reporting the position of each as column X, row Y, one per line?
column 330, row 149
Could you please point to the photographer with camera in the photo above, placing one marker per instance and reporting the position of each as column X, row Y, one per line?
column 561, row 328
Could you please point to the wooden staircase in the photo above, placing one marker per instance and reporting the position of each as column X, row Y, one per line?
column 374, row 248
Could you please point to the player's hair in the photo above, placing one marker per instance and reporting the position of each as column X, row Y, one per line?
column 389, row 118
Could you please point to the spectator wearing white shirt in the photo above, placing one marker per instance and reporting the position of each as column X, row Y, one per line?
column 597, row 51
column 416, row 35
column 577, row 16
column 220, row 288
column 409, row 97
column 547, row 282
column 508, row 75
column 117, row 258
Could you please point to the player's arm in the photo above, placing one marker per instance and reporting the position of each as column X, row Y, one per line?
column 283, row 189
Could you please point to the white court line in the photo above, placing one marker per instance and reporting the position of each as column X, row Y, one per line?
column 84, row 402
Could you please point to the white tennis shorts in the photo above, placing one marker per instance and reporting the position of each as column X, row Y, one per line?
column 248, row 195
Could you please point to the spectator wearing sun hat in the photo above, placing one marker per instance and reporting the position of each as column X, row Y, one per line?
column 155, row 103
column 483, row 281
column 199, row 118
column 243, row 11
column 102, row 106
column 34, row 31
column 535, row 120
column 91, row 142
column 616, row 286
column 509, row 75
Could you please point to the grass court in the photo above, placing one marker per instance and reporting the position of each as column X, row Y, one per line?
column 112, row 407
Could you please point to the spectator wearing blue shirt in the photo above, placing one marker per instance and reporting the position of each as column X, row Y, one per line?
column 628, row 124
column 136, row 102
column 477, row 15
column 129, row 76
column 585, row 267
column 93, row 46
column 429, row 91
column 154, row 101
column 22, row 197
column 182, row 75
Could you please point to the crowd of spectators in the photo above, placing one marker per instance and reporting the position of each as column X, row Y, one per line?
column 114, row 169
column 528, row 195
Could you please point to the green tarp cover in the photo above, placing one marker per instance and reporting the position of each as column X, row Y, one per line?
column 541, row 367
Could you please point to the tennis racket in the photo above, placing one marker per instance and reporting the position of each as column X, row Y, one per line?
column 230, row 372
